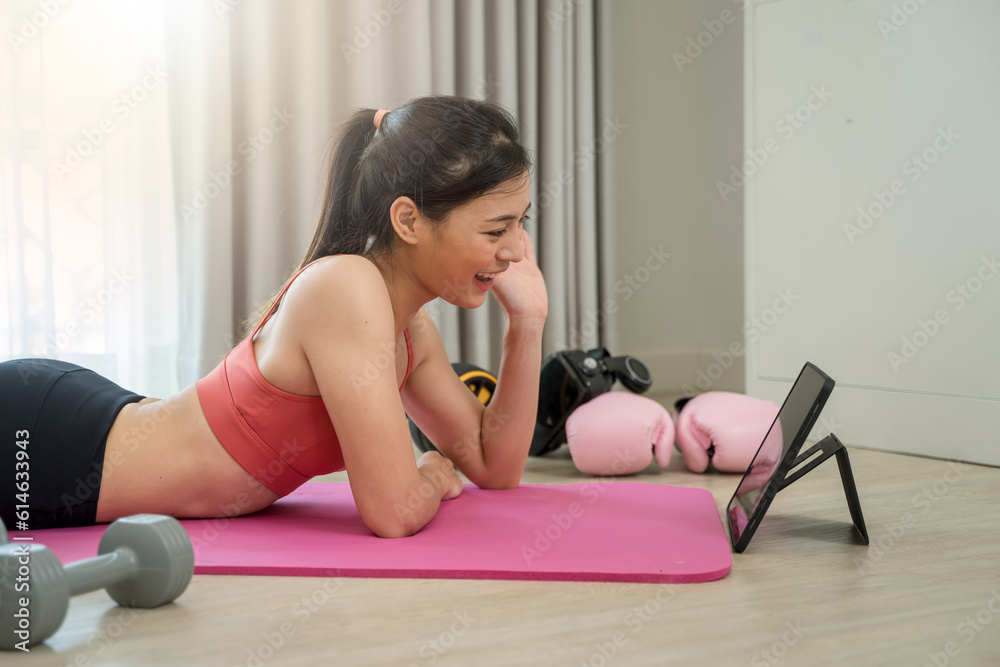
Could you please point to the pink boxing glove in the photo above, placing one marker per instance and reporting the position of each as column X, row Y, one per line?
column 766, row 461
column 724, row 427
column 619, row 433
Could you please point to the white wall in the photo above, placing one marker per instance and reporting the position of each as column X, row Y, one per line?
column 897, row 107
column 684, row 133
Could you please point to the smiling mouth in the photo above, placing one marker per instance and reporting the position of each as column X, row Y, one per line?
column 484, row 281
column 487, row 277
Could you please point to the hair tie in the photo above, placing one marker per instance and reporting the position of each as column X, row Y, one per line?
column 379, row 115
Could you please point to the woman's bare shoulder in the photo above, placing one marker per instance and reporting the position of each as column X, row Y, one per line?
column 340, row 277
column 342, row 265
column 336, row 287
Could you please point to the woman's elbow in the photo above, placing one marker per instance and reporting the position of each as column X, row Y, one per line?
column 392, row 529
column 499, row 483
column 392, row 533
column 393, row 525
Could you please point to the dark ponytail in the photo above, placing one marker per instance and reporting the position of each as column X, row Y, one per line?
column 441, row 151
column 334, row 235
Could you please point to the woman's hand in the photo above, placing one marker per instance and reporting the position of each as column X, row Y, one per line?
column 439, row 471
column 520, row 290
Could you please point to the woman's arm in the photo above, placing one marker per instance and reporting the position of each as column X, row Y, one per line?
column 348, row 324
column 509, row 419
column 489, row 445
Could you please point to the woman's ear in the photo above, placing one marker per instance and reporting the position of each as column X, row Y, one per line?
column 406, row 219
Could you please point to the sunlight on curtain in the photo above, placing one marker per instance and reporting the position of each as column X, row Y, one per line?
column 87, row 222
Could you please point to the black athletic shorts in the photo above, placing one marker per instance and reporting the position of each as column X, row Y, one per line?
column 54, row 423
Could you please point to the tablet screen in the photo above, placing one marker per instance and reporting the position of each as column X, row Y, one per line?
column 777, row 452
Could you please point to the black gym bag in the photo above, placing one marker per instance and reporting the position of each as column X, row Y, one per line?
column 569, row 379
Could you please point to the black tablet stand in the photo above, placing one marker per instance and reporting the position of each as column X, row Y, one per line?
column 830, row 446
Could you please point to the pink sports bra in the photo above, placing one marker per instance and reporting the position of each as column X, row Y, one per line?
column 282, row 439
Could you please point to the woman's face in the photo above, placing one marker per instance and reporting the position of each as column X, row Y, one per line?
column 476, row 242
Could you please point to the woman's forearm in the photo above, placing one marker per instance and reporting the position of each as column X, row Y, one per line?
column 509, row 419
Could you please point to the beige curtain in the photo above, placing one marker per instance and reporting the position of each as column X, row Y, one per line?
column 258, row 87
column 87, row 225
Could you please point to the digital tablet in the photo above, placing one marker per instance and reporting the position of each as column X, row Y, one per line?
column 777, row 453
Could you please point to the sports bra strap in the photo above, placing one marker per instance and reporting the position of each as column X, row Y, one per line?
column 409, row 356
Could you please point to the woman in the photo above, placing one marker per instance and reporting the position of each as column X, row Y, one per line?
column 424, row 201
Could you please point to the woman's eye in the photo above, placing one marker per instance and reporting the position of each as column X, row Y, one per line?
column 500, row 232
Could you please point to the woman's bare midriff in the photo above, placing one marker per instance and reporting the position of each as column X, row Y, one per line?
column 162, row 458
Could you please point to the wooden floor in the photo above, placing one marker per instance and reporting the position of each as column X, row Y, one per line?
column 925, row 592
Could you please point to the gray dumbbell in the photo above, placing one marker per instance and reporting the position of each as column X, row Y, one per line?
column 143, row 561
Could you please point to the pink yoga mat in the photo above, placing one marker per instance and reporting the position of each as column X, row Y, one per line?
column 596, row 531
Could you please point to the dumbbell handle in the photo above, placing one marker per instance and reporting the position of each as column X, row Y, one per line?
column 3, row 533
column 101, row 572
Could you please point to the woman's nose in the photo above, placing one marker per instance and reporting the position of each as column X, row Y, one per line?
column 512, row 250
